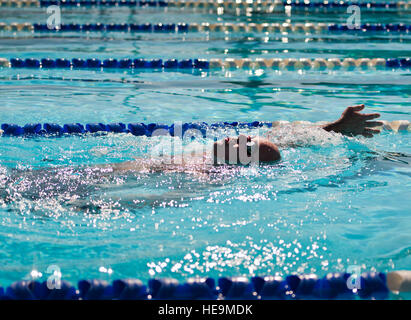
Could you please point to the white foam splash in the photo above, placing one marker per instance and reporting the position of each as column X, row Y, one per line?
column 289, row 135
column 3, row 176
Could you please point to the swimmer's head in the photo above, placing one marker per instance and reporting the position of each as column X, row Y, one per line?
column 244, row 150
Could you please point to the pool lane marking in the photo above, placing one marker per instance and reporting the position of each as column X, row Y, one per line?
column 140, row 129
column 220, row 5
column 393, row 28
column 367, row 285
column 204, row 64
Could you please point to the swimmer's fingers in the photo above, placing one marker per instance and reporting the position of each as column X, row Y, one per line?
column 372, row 124
column 369, row 133
column 357, row 108
column 372, row 131
column 370, row 116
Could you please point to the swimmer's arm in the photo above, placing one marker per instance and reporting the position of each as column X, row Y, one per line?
column 353, row 123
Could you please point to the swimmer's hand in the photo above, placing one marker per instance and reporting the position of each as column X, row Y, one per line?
column 353, row 123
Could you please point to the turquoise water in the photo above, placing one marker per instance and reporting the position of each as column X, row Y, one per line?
column 329, row 204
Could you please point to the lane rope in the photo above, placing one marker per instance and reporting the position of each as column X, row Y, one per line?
column 267, row 5
column 204, row 64
column 154, row 129
column 209, row 27
column 368, row 285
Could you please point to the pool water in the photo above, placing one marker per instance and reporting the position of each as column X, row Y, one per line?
column 331, row 203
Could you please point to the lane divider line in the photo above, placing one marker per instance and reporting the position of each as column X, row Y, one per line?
column 204, row 64
column 228, row 5
column 340, row 285
column 393, row 28
column 142, row 129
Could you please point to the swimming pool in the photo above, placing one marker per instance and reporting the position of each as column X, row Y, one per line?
column 331, row 204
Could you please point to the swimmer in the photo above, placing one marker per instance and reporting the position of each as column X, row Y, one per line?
column 261, row 149
column 246, row 149
column 78, row 184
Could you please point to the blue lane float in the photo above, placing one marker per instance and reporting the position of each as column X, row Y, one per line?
column 371, row 285
column 137, row 129
column 156, row 129
column 204, row 64
column 400, row 27
column 185, row 27
column 201, row 4
column 94, row 63
column 110, row 3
